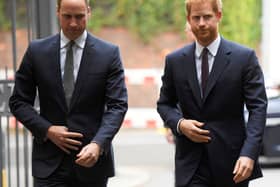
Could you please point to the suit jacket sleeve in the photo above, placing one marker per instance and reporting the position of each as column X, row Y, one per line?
column 256, row 103
column 167, row 105
column 22, row 100
column 116, row 103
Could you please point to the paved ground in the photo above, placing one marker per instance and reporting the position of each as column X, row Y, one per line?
column 143, row 159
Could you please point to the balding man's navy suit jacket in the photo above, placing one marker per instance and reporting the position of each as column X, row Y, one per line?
column 97, row 108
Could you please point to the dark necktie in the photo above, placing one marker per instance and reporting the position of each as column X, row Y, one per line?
column 68, row 77
column 204, row 70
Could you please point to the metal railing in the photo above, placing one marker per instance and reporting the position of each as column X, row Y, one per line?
column 15, row 140
column 15, row 143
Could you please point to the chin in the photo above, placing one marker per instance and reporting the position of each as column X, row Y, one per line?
column 72, row 37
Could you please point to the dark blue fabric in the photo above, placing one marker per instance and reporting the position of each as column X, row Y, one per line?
column 97, row 107
column 235, row 79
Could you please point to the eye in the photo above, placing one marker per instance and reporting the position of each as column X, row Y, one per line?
column 207, row 17
column 80, row 16
column 66, row 16
column 196, row 18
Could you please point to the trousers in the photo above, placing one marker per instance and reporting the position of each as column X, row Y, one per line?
column 64, row 176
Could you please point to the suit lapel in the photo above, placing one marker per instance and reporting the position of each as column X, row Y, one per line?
column 190, row 67
column 220, row 63
column 56, row 70
column 87, row 57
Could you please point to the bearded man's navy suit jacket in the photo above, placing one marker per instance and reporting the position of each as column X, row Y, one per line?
column 235, row 79
column 97, row 108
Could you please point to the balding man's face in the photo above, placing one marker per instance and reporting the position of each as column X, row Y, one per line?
column 73, row 16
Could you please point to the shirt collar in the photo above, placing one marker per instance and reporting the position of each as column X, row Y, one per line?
column 80, row 41
column 212, row 47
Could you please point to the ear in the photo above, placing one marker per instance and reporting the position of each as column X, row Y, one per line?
column 188, row 18
column 89, row 10
column 219, row 15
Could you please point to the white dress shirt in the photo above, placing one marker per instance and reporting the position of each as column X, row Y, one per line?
column 78, row 48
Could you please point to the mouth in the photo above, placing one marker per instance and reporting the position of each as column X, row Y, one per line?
column 74, row 30
column 203, row 32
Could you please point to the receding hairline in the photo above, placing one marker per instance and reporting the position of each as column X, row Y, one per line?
column 59, row 3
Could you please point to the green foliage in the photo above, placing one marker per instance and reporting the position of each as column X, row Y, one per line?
column 241, row 21
column 6, row 14
column 147, row 18
column 2, row 19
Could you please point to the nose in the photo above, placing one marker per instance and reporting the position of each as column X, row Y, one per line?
column 73, row 22
column 201, row 21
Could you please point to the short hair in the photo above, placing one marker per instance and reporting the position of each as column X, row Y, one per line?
column 59, row 3
column 217, row 5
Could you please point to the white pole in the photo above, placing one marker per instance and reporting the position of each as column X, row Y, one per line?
column 271, row 39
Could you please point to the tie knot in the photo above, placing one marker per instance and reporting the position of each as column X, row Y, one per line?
column 70, row 44
column 204, row 51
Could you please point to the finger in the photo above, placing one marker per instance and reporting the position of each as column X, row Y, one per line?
column 64, row 149
column 203, row 132
column 87, row 161
column 81, row 157
column 202, row 139
column 66, row 142
column 236, row 167
column 197, row 123
column 84, row 158
column 73, row 135
column 198, row 130
column 238, row 176
column 72, row 147
column 205, row 138
column 246, row 173
column 80, row 160
column 82, row 152
column 73, row 142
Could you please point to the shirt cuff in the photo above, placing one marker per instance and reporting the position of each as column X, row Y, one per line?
column 178, row 125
